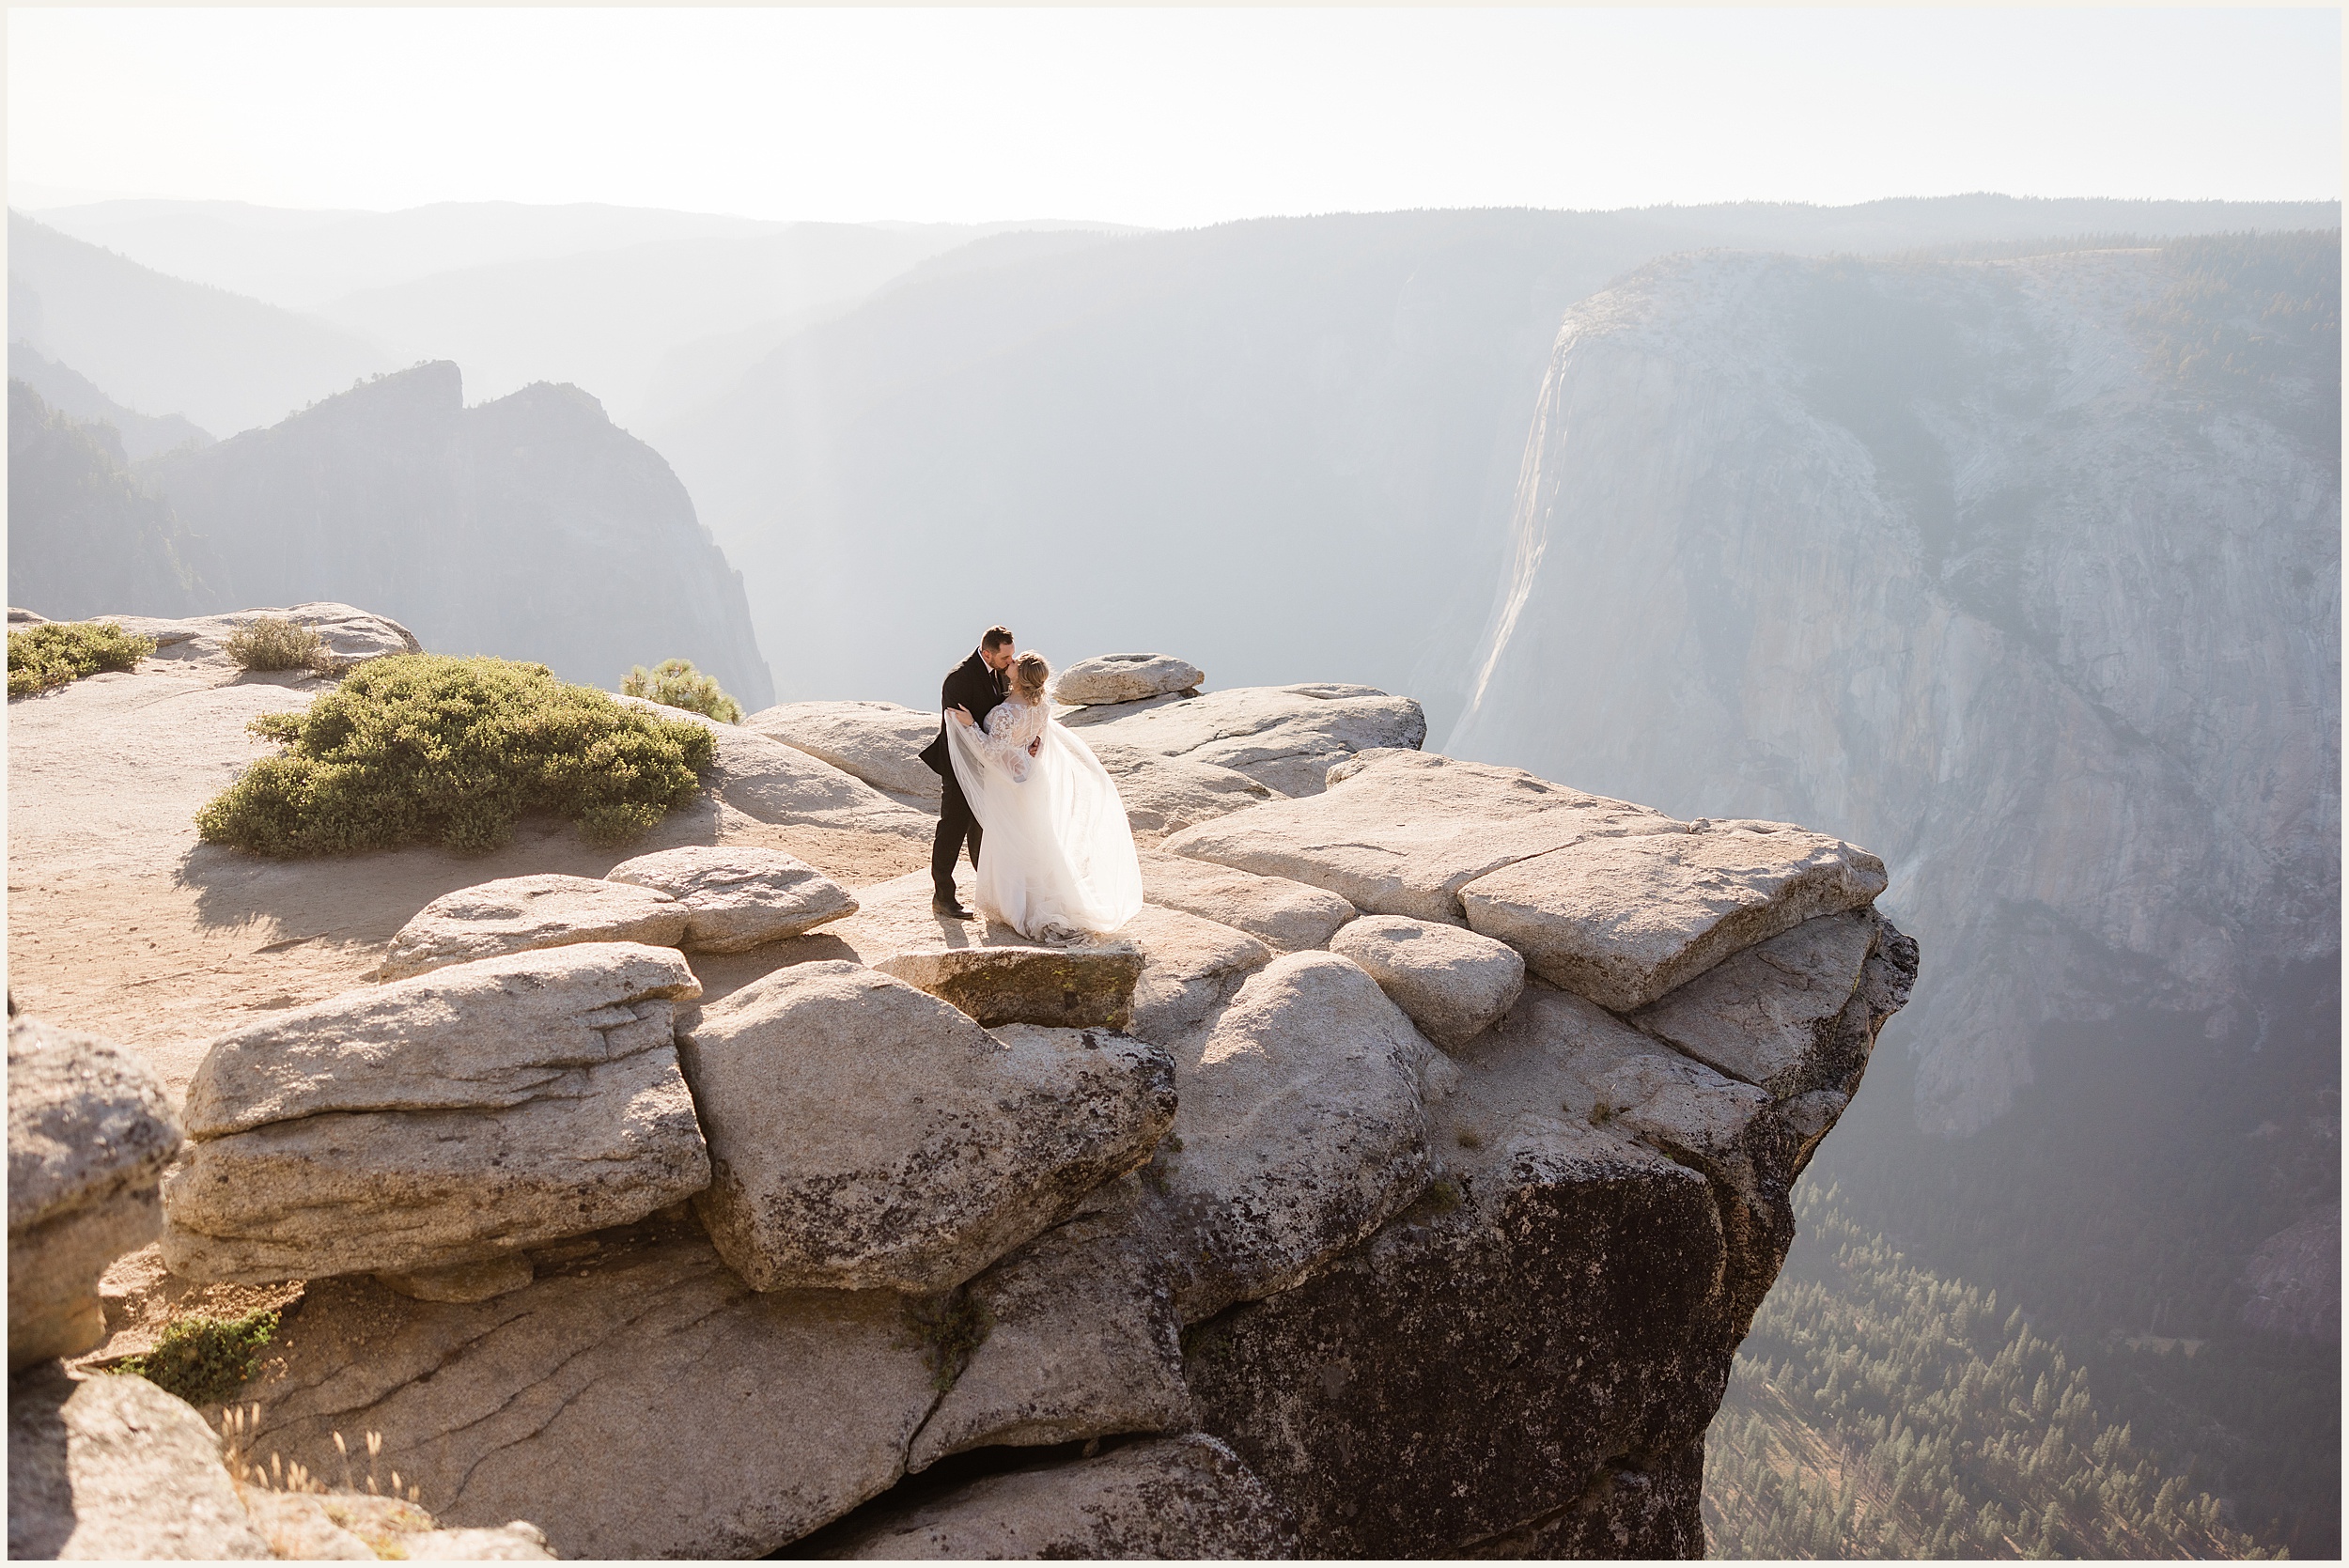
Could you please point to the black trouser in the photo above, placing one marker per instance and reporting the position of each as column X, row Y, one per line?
column 955, row 823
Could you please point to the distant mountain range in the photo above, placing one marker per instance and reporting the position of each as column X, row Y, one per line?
column 527, row 527
column 164, row 346
column 628, row 302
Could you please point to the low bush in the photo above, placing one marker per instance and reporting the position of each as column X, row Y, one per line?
column 43, row 656
column 676, row 683
column 421, row 749
column 274, row 643
column 204, row 1360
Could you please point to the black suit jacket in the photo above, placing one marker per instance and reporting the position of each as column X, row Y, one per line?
column 970, row 684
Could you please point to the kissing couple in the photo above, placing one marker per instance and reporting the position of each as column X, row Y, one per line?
column 1046, row 830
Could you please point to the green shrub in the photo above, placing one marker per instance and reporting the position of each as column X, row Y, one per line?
column 421, row 749
column 676, row 683
column 274, row 643
column 43, row 656
column 204, row 1360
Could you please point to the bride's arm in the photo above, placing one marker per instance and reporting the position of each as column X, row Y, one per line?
column 1004, row 738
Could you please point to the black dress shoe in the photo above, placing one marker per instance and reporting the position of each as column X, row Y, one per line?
column 950, row 909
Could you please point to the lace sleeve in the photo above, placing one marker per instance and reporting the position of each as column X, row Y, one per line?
column 1005, row 739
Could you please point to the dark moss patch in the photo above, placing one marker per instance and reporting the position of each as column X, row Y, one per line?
column 204, row 1360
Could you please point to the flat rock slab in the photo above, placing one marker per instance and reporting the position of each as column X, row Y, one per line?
column 878, row 743
column 866, row 1134
column 1452, row 983
column 1125, row 678
column 1284, row 736
column 1182, row 1497
column 1081, row 1341
column 1091, row 987
column 638, row 1400
column 90, row 1133
column 1301, row 1131
column 1402, row 832
column 1164, row 795
column 517, row 914
column 113, row 1468
column 1623, row 921
column 769, row 782
column 1190, row 965
column 737, row 896
column 450, row 1118
column 1775, row 1015
column 351, row 634
column 1291, row 917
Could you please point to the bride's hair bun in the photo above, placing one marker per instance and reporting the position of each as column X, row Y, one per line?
column 1030, row 674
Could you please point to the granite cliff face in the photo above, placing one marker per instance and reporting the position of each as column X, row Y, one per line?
column 2025, row 573
column 1399, row 1193
column 530, row 527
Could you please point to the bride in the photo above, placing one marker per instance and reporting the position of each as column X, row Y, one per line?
column 1057, row 858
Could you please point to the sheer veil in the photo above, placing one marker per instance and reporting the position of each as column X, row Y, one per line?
column 1057, row 849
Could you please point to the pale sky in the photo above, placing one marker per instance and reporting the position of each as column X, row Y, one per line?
column 1166, row 117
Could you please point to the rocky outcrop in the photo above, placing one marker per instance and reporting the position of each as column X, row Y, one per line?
column 350, row 635
column 863, row 1134
column 1125, row 678
column 1452, row 983
column 1529, row 1356
column 519, row 914
column 90, row 1132
column 1185, row 1498
column 878, row 743
column 1286, row 737
column 446, row 1119
column 1269, row 1240
column 735, row 898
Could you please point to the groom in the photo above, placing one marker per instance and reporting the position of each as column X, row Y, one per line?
column 976, row 685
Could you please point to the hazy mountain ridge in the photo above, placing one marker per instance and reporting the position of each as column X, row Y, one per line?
column 529, row 527
column 164, row 346
column 73, row 394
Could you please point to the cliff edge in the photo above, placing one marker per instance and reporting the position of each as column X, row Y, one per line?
column 1398, row 1183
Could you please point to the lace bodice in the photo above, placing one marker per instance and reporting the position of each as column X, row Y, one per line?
column 1011, row 727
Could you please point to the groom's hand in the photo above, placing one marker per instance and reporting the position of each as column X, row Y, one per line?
column 1036, row 747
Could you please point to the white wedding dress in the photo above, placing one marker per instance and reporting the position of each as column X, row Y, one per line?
column 1055, row 849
